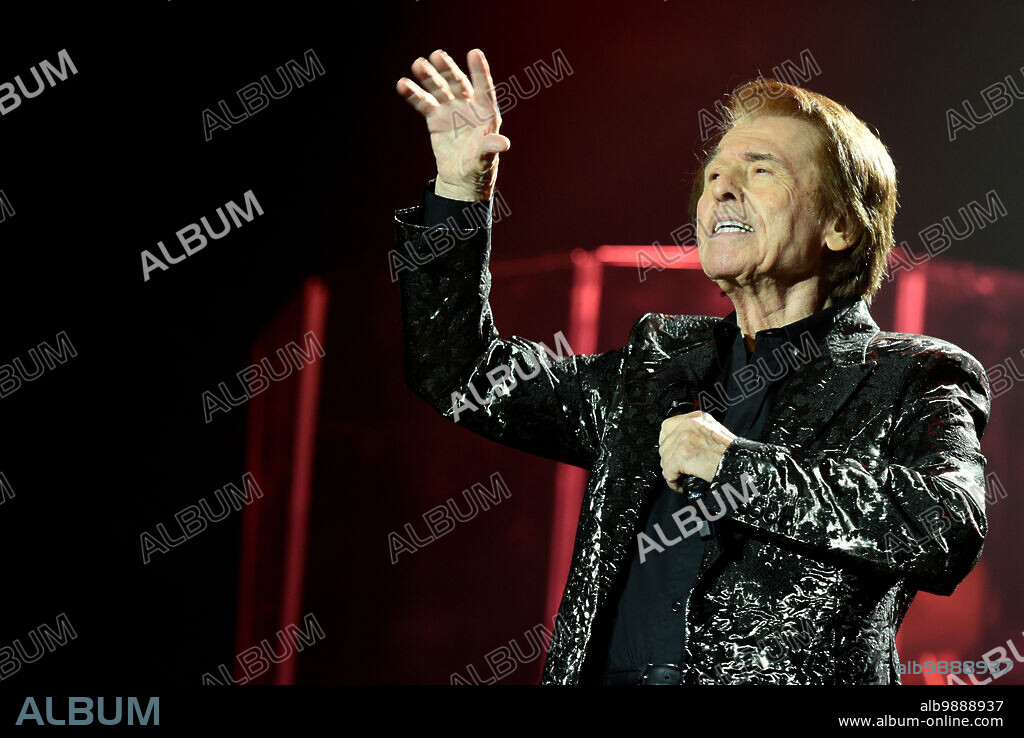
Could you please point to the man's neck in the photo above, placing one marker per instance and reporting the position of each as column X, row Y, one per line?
column 759, row 309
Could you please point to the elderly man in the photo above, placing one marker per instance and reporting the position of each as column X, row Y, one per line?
column 778, row 532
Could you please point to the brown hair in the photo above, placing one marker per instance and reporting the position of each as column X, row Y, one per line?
column 858, row 178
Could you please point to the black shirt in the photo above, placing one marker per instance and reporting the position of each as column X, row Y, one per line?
column 649, row 626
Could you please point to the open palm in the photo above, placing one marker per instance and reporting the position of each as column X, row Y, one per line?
column 463, row 119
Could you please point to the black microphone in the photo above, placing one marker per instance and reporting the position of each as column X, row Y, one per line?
column 679, row 398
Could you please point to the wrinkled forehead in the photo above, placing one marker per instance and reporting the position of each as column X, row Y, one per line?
column 791, row 142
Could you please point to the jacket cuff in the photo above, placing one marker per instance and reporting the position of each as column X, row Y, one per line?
column 436, row 250
column 743, row 490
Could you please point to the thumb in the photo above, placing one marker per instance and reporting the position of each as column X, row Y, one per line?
column 494, row 143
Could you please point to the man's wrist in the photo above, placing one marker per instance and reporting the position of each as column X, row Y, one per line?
column 456, row 192
column 451, row 213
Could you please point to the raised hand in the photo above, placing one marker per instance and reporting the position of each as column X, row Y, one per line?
column 463, row 119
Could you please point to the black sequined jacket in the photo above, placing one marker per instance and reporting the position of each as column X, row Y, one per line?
column 869, row 480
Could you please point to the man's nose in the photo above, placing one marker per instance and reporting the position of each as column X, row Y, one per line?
column 726, row 187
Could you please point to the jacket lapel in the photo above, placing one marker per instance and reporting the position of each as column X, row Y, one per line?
column 642, row 417
column 662, row 364
column 811, row 398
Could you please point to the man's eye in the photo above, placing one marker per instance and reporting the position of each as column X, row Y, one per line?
column 711, row 177
column 762, row 169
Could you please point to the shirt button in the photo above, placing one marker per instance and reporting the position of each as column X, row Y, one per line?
column 677, row 606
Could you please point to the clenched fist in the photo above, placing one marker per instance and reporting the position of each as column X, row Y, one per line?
column 692, row 444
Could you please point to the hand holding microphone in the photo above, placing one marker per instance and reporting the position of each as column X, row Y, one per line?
column 691, row 443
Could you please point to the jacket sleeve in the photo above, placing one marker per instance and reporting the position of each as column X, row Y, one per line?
column 534, row 396
column 919, row 513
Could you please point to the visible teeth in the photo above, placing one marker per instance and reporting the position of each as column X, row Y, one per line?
column 732, row 226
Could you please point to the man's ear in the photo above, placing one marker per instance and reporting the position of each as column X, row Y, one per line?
column 838, row 235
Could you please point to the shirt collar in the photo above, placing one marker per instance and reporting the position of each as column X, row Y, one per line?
column 726, row 331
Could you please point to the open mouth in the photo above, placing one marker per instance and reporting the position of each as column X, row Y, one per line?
column 731, row 226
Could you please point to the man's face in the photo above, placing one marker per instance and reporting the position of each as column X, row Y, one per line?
column 764, row 175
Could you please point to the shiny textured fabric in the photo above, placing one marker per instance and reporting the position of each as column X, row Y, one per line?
column 868, row 487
